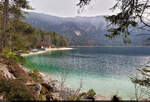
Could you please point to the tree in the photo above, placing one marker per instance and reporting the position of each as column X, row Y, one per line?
column 131, row 13
column 5, row 8
column 10, row 8
column 142, row 82
column 83, row 3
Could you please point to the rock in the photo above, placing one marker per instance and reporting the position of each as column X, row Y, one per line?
column 14, row 69
column 45, row 77
column 55, row 85
column 46, row 93
column 42, row 97
column 99, row 97
column 25, row 69
column 4, row 72
column 1, row 96
column 56, row 96
column 47, row 86
column 38, row 88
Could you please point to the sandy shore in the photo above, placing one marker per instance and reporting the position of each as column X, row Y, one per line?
column 44, row 51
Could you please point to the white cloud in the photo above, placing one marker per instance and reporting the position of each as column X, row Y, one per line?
column 69, row 8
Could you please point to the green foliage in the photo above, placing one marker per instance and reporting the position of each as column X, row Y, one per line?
column 45, row 93
column 90, row 94
column 35, row 75
column 58, row 40
column 42, row 97
column 25, row 37
column 7, row 53
column 85, row 95
column 22, row 37
column 131, row 12
column 15, row 90
column 119, row 27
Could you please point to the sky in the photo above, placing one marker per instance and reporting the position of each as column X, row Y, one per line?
column 68, row 8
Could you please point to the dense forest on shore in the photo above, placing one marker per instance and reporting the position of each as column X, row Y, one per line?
column 23, row 36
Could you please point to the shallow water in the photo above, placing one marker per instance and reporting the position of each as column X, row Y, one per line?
column 104, row 69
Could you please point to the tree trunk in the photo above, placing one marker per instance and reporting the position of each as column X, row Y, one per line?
column 5, row 18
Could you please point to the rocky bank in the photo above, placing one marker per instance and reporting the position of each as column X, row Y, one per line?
column 42, row 85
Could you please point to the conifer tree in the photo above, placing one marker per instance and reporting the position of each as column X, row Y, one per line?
column 131, row 13
column 10, row 9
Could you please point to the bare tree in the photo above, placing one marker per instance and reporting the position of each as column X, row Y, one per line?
column 65, row 91
column 142, row 82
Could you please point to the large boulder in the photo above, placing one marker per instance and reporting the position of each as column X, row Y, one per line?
column 4, row 72
column 15, row 69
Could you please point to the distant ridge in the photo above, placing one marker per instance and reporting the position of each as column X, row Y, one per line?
column 84, row 31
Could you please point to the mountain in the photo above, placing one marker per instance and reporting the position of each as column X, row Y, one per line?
column 84, row 31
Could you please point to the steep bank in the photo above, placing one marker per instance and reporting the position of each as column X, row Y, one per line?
column 44, row 87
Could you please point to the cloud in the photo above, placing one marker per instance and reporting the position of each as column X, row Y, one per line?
column 68, row 7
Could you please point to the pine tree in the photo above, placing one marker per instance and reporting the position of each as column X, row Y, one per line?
column 131, row 13
column 10, row 8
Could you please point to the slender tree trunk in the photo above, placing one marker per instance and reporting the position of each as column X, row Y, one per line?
column 5, row 18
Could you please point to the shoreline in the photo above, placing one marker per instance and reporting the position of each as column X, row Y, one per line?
column 52, row 79
column 104, row 46
column 44, row 51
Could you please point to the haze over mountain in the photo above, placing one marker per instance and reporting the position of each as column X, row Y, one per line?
column 84, row 31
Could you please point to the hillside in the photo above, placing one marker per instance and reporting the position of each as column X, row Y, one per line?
column 84, row 31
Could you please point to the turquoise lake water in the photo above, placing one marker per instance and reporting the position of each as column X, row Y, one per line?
column 104, row 69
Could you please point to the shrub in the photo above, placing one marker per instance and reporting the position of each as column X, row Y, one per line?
column 8, row 54
column 85, row 95
column 15, row 90
column 35, row 75
column 12, row 56
column 115, row 98
column 45, row 94
column 90, row 94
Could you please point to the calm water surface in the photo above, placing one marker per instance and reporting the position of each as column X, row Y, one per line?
column 104, row 69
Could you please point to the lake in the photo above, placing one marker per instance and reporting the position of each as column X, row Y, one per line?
column 104, row 69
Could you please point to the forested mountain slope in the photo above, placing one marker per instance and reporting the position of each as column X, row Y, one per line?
column 84, row 31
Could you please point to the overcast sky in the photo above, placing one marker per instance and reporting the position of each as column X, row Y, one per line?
column 67, row 8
